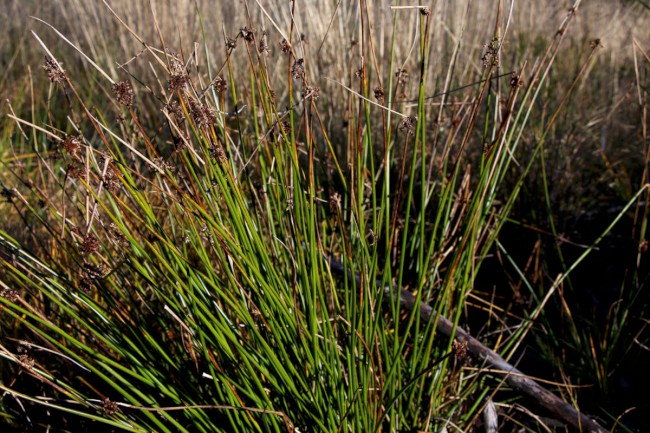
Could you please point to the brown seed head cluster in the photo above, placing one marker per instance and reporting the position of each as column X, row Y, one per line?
column 109, row 407
column 76, row 171
column 285, row 46
column 231, row 43
column 124, row 93
column 247, row 34
column 460, row 350
column 298, row 69
column 90, row 245
column 402, row 76
column 312, row 93
column 217, row 153
column 177, row 74
column 91, row 273
column 9, row 294
column 491, row 56
column 201, row 114
column 379, row 94
column 111, row 180
column 220, row 85
column 516, row 81
column 408, row 124
column 176, row 110
column 263, row 47
column 55, row 72
column 72, row 145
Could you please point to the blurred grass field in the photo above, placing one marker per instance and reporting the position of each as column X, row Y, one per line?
column 174, row 172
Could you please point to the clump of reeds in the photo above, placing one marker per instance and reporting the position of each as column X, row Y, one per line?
column 165, row 265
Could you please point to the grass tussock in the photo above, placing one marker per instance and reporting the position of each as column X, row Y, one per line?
column 175, row 179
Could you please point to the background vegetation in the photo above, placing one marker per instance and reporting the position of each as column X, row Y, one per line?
column 174, row 174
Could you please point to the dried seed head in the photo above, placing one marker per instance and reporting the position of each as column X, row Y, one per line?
column 55, row 72
column 94, row 272
column 247, row 34
column 312, row 93
column 298, row 69
column 76, row 171
column 90, row 245
column 9, row 294
column 201, row 114
column 124, row 93
column 231, row 43
column 408, row 124
column 217, row 153
column 335, row 202
column 515, row 80
column 402, row 76
column 111, row 180
column 109, row 407
column 120, row 238
column 176, row 110
column 263, row 47
column 595, row 43
column 426, row 11
column 177, row 81
column 26, row 361
column 220, row 85
column 460, row 350
column 491, row 56
column 72, row 145
column 285, row 46
column 379, row 94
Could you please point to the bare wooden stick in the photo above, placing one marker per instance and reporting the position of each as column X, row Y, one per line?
column 515, row 378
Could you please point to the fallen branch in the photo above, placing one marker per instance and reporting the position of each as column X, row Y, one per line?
column 515, row 378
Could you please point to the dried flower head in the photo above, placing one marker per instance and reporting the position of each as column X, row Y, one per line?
column 91, row 273
column 217, row 153
column 335, row 202
column 298, row 69
column 379, row 94
column 177, row 81
column 460, row 350
column 72, row 145
column 124, row 93
column 263, row 47
column 231, row 43
column 595, row 43
column 220, row 85
column 402, row 76
column 176, row 110
column 26, row 361
column 408, row 124
column 9, row 294
column 55, row 71
column 120, row 238
column 491, row 56
column 90, row 245
column 111, row 180
column 285, row 46
column 426, row 11
column 201, row 114
column 109, row 407
column 312, row 93
column 515, row 80
column 247, row 34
